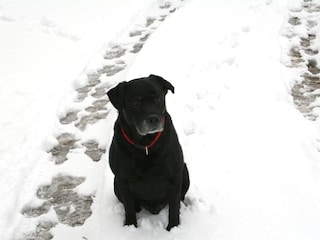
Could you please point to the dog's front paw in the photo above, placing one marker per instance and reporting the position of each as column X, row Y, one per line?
column 170, row 226
column 130, row 222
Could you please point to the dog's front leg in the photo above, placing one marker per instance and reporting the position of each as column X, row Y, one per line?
column 128, row 201
column 174, row 193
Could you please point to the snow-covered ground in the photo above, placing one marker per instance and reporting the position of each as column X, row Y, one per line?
column 253, row 158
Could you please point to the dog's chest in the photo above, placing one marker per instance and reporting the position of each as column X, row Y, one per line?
column 149, row 178
column 148, row 170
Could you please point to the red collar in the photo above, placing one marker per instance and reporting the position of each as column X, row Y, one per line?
column 145, row 148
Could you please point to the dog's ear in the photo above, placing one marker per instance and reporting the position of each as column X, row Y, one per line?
column 116, row 96
column 164, row 84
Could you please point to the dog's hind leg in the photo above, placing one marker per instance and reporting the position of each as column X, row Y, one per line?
column 185, row 182
column 116, row 189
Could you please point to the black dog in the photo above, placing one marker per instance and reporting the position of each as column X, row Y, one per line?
column 145, row 154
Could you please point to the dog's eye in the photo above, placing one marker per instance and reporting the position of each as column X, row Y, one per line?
column 135, row 103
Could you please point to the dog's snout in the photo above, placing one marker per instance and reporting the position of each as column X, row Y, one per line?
column 153, row 119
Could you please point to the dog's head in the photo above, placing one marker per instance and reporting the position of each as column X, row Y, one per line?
column 142, row 102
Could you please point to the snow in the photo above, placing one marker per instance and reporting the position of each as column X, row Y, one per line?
column 253, row 158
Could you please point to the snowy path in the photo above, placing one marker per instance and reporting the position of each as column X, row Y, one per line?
column 82, row 143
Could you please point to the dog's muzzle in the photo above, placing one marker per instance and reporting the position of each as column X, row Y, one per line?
column 152, row 124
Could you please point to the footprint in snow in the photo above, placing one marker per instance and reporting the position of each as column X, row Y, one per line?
column 66, row 142
column 116, row 51
column 112, row 69
column 71, row 208
column 93, row 150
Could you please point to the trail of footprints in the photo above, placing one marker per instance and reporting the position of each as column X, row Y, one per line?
column 71, row 208
column 304, row 56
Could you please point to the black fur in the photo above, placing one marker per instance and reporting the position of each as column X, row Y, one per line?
column 155, row 177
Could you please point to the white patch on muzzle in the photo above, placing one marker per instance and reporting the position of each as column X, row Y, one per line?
column 145, row 128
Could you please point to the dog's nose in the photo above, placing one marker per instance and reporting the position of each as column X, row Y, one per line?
column 153, row 119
